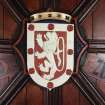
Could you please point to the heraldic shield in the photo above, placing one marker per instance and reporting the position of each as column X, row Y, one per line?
column 50, row 53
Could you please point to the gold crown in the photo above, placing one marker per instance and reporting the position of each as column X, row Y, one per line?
column 50, row 15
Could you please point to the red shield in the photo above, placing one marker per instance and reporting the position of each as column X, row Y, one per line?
column 50, row 56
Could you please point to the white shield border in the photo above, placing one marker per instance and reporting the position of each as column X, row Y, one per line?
column 30, row 57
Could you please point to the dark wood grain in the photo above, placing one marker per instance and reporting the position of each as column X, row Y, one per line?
column 87, row 26
column 32, row 5
column 20, row 98
column 98, row 21
column 9, row 25
column 34, row 94
column 1, row 21
column 83, row 100
column 70, row 94
column 93, row 25
column 67, row 5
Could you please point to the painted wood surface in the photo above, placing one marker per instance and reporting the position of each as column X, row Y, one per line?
column 93, row 27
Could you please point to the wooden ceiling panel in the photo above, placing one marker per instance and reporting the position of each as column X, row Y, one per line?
column 67, row 5
column 32, row 5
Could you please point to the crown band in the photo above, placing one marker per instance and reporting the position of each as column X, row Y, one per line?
column 50, row 15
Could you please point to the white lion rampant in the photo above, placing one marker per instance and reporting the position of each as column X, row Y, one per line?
column 49, row 49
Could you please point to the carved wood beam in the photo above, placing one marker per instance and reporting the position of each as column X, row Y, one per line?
column 88, row 89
